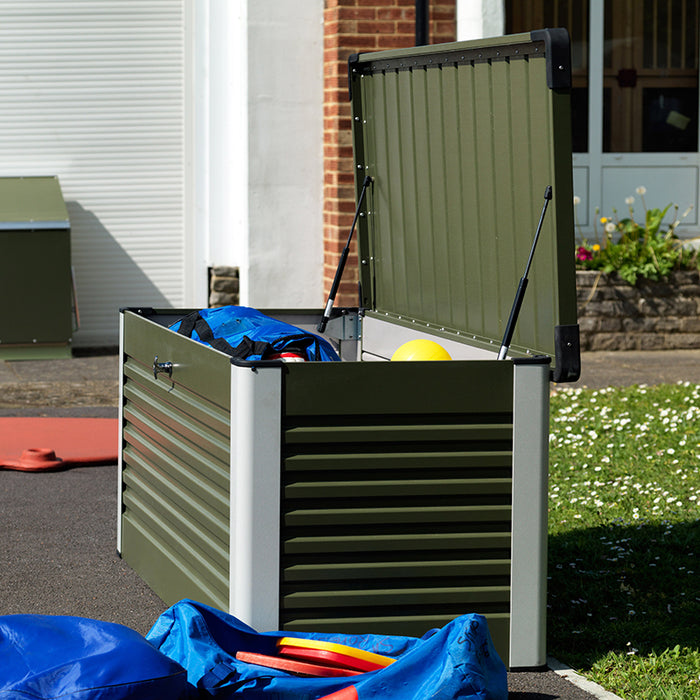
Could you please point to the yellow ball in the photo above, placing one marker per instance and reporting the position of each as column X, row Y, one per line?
column 421, row 349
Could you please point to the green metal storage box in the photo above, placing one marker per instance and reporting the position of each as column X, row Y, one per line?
column 35, row 269
column 366, row 495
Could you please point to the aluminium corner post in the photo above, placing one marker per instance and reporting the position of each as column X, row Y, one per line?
column 120, row 438
column 256, row 406
column 529, row 515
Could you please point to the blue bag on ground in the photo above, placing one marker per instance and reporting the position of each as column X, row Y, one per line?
column 74, row 658
column 457, row 661
column 248, row 334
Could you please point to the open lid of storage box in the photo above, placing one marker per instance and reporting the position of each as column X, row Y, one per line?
column 461, row 141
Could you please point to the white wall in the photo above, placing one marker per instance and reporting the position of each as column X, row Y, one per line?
column 258, row 135
column 285, row 93
column 217, row 137
column 477, row 19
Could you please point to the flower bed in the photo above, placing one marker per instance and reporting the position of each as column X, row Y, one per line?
column 637, row 248
column 638, row 287
column 651, row 315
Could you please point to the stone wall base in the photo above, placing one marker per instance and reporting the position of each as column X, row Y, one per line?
column 224, row 286
column 613, row 315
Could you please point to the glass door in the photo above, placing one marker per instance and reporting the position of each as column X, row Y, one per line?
column 650, row 76
column 634, row 99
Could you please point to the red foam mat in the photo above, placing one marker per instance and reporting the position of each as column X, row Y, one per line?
column 43, row 444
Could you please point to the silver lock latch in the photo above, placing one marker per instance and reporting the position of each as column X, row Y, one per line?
column 162, row 367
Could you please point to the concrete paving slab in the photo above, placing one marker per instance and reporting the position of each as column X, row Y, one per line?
column 75, row 369
column 600, row 369
column 7, row 372
column 84, row 381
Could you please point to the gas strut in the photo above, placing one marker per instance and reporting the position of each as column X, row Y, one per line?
column 343, row 259
column 520, row 294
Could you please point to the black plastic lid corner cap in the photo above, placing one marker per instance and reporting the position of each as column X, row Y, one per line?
column 353, row 58
column 558, row 53
column 567, row 355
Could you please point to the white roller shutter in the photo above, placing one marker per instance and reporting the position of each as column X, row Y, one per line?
column 93, row 91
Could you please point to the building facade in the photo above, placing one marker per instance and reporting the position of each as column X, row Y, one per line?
column 190, row 135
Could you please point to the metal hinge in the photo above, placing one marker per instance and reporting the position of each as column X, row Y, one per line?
column 344, row 327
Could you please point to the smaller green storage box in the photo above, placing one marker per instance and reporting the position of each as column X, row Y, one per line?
column 368, row 495
column 35, row 269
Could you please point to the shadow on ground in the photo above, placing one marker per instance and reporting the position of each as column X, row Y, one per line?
column 624, row 588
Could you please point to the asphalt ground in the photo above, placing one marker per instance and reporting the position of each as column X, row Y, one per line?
column 58, row 530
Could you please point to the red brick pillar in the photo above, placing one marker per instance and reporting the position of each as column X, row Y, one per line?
column 354, row 26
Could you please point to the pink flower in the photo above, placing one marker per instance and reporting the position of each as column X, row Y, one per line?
column 582, row 253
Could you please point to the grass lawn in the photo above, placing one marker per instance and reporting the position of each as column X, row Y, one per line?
column 624, row 538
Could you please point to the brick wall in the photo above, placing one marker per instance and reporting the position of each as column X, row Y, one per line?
column 355, row 26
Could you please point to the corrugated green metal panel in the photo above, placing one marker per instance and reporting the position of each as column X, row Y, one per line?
column 35, row 269
column 478, row 462
column 183, row 433
column 396, row 523
column 498, row 626
column 461, row 147
column 383, row 431
column 169, row 483
column 148, row 508
column 468, row 489
column 189, row 466
column 481, row 388
column 396, row 515
column 475, row 569
column 180, row 403
column 197, row 367
column 401, row 597
column 484, row 542
column 35, row 273
column 176, row 456
column 162, row 566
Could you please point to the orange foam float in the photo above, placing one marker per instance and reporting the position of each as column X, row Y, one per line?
column 39, row 444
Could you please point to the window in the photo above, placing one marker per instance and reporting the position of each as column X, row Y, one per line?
column 650, row 69
column 650, row 76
